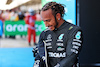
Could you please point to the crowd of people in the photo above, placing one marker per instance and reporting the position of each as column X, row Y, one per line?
column 14, row 15
column 27, row 16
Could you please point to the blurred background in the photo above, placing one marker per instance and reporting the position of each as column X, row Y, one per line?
column 14, row 48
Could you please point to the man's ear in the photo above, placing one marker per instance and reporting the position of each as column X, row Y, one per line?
column 58, row 16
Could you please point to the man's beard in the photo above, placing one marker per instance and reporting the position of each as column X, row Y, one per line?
column 55, row 25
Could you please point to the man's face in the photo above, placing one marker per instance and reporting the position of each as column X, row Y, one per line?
column 48, row 19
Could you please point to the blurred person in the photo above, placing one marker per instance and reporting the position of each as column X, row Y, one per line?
column 38, row 16
column 62, row 40
column 13, row 17
column 26, row 13
column 21, row 15
column 30, row 20
column 1, row 23
column 1, row 16
column 7, row 14
column 16, row 16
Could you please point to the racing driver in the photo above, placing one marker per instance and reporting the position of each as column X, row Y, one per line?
column 60, row 43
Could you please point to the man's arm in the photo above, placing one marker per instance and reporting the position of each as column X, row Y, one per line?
column 39, row 59
column 72, row 50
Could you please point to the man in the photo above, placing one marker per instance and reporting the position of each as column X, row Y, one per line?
column 60, row 43
column 30, row 20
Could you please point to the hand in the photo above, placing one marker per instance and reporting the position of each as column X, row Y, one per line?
column 58, row 65
column 36, row 64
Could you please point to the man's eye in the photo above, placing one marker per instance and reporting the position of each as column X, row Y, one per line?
column 48, row 20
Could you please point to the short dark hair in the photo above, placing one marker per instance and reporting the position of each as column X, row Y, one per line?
column 56, row 8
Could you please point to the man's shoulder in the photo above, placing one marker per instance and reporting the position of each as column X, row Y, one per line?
column 45, row 31
column 72, row 26
column 72, row 29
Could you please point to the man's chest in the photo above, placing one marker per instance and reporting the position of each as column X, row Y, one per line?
column 56, row 42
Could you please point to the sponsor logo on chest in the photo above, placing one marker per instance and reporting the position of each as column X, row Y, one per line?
column 60, row 37
column 49, row 38
column 60, row 49
column 51, row 54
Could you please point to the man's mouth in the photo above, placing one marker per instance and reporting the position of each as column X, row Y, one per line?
column 49, row 27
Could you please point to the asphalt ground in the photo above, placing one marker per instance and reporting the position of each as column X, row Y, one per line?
column 17, row 42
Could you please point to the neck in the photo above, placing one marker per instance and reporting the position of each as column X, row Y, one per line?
column 60, row 22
